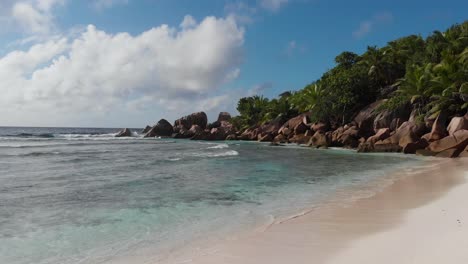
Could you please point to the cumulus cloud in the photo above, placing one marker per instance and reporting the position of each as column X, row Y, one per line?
column 367, row 26
column 166, row 67
column 34, row 16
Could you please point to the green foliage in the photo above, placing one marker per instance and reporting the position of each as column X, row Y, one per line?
column 431, row 74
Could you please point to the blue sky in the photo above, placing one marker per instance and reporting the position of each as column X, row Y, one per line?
column 66, row 63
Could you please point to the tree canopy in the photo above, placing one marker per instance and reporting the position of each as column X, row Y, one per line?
column 431, row 74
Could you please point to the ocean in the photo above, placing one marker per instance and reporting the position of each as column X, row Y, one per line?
column 80, row 195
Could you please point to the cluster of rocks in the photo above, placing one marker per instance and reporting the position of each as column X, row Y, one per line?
column 194, row 126
column 372, row 130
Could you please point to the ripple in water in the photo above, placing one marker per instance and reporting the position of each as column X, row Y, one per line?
column 85, row 197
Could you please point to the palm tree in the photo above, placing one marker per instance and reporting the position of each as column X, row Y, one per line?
column 308, row 98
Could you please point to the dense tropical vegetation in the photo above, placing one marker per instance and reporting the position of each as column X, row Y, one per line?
column 431, row 74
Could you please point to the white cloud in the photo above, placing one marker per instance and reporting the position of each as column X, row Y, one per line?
column 367, row 26
column 188, row 22
column 98, row 73
column 32, row 16
column 240, row 11
column 273, row 5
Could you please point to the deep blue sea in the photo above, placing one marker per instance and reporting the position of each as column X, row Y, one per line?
column 79, row 195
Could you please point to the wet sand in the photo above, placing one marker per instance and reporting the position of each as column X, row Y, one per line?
column 421, row 218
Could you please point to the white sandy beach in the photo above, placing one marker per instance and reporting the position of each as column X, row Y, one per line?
column 422, row 218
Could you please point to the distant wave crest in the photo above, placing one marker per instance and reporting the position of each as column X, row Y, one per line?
column 220, row 154
column 220, row 146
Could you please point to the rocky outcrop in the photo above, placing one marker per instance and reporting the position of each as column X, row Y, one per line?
column 382, row 134
column 124, row 133
column 280, row 139
column 320, row 127
column 224, row 116
column 408, row 132
column 438, row 130
column 146, row 130
column 392, row 118
column 412, row 147
column 163, row 129
column 365, row 118
column 195, row 129
column 294, row 126
column 458, row 140
column 458, row 123
column 346, row 136
column 300, row 139
column 320, row 140
column 187, row 122
column 464, row 153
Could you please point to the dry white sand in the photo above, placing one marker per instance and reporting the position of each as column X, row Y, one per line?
column 421, row 218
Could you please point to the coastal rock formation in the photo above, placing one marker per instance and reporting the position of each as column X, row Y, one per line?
column 296, row 125
column 195, row 129
column 280, row 139
column 392, row 118
column 346, row 136
column 408, row 132
column 458, row 123
column 320, row 140
column 224, row 116
column 146, row 130
column 265, row 137
column 187, row 122
column 438, row 130
column 320, row 127
column 300, row 139
column 464, row 153
column 458, row 140
column 365, row 118
column 382, row 134
column 124, row 133
column 163, row 128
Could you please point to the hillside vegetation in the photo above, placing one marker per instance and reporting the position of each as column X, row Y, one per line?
column 431, row 74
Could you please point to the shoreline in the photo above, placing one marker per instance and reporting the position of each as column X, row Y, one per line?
column 331, row 234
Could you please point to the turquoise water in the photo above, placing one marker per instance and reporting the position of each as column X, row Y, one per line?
column 82, row 196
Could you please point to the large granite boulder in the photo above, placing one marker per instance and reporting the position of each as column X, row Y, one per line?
column 382, row 134
column 249, row 134
column 464, row 153
column 265, row 137
column 458, row 123
column 187, row 122
column 146, row 130
column 392, row 118
column 320, row 127
column 124, row 133
column 407, row 133
column 195, row 129
column 412, row 147
column 438, row 130
column 203, row 135
column 163, row 129
column 224, row 116
column 319, row 140
column 346, row 136
column 280, row 139
column 459, row 141
column 298, row 123
column 365, row 118
column 218, row 133
column 300, row 139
